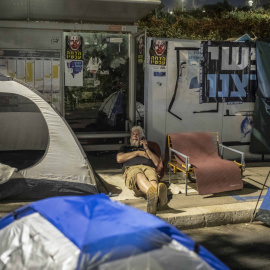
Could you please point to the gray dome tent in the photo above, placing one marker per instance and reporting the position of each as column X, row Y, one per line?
column 28, row 122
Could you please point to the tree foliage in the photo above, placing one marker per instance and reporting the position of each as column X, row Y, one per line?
column 212, row 22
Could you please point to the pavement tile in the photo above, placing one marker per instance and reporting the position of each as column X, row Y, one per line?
column 192, row 211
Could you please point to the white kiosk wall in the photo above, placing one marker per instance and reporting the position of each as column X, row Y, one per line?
column 181, row 108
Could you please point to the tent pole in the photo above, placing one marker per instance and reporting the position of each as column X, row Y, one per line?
column 103, row 185
column 259, row 197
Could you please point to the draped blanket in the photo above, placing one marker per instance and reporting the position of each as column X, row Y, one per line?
column 6, row 172
column 212, row 173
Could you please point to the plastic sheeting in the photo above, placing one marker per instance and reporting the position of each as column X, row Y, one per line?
column 5, row 172
column 260, row 142
column 113, row 235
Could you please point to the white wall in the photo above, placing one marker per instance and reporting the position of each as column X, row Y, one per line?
column 231, row 121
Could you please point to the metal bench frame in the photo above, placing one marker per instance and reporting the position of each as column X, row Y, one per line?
column 187, row 169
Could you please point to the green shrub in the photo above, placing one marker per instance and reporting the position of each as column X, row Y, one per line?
column 209, row 25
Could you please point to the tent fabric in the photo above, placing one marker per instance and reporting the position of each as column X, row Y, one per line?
column 64, row 161
column 33, row 243
column 19, row 188
column 259, row 142
column 6, row 172
column 171, row 256
column 110, row 233
column 112, row 106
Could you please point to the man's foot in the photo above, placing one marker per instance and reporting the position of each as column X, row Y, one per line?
column 152, row 199
column 162, row 195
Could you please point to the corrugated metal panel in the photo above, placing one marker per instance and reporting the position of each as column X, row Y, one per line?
column 30, row 38
column 93, row 11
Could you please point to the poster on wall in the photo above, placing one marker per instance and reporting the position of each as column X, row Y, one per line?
column 39, row 69
column 140, row 48
column 73, row 73
column 158, row 52
column 3, row 66
column 187, row 85
column 29, row 71
column 39, row 74
column 47, row 74
column 228, row 72
column 73, row 47
column 55, row 74
column 94, row 64
column 20, row 70
column 11, row 67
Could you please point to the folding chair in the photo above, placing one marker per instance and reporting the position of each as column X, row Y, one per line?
column 186, row 155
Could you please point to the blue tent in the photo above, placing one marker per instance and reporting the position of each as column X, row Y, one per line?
column 93, row 232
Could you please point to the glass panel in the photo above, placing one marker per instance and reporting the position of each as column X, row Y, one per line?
column 16, row 103
column 98, row 100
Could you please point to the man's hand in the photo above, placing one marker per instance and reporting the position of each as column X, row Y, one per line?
column 123, row 157
column 144, row 143
column 143, row 154
column 149, row 153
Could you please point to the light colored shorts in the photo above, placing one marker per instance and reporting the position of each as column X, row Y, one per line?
column 131, row 173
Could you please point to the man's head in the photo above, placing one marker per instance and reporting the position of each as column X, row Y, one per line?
column 136, row 135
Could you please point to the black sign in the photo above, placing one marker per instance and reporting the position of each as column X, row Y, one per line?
column 228, row 72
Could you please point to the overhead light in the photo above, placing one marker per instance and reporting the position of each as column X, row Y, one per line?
column 250, row 2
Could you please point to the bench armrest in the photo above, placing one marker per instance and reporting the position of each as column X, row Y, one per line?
column 233, row 150
column 180, row 154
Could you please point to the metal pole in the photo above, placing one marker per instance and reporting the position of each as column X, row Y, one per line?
column 259, row 197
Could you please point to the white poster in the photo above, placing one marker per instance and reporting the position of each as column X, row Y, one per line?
column 3, row 66
column 73, row 73
column 20, row 73
column 56, row 75
column 39, row 74
column 11, row 67
column 93, row 65
column 39, row 69
column 47, row 74
column 29, row 70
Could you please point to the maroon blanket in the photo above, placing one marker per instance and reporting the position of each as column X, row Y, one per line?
column 212, row 173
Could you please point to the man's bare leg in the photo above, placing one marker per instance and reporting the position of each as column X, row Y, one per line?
column 143, row 183
column 151, row 192
column 154, row 183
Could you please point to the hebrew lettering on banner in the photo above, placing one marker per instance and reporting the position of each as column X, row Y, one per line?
column 228, row 72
